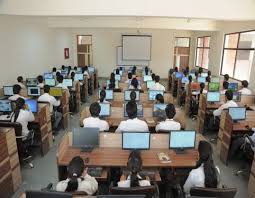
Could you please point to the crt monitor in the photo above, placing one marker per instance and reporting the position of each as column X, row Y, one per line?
column 105, row 109
column 78, row 77
column 56, row 91
column 135, row 140
column 50, row 81
column 68, row 82
column 182, row 140
column 5, row 106
column 31, row 82
column 213, row 96
column 204, row 74
column 117, row 77
column 237, row 113
column 152, row 94
column 233, row 86
column 150, row 83
column 47, row 194
column 185, row 80
column 33, row 91
column 178, row 75
column 201, row 79
column 48, row 75
column 85, row 137
column 8, row 90
column 109, row 94
column 139, row 110
column 237, row 96
column 214, row 86
column 32, row 105
column 146, row 78
column 127, row 95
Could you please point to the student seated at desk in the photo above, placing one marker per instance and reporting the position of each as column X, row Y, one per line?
column 40, row 81
column 245, row 90
column 226, row 77
column 60, row 79
column 206, row 174
column 169, row 124
column 93, row 121
column 153, row 76
column 21, row 82
column 78, row 179
column 85, row 72
column 157, row 85
column 129, row 78
column 146, row 71
column 102, row 97
column 134, row 84
column 54, row 71
column 16, row 91
column 134, row 166
column 194, row 104
column 225, row 87
column 46, row 97
column 133, row 123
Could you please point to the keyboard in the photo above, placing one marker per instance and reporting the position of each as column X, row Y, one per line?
column 95, row 172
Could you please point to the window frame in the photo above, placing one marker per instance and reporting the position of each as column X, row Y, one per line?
column 197, row 47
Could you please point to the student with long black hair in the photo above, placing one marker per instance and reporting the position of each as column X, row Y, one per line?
column 102, row 96
column 133, row 97
column 130, row 76
column 134, row 84
column 206, row 174
column 78, row 179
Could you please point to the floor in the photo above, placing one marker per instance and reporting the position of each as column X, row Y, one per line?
column 45, row 168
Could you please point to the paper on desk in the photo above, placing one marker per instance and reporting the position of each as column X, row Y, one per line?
column 164, row 157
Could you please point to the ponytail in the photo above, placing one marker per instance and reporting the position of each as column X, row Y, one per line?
column 20, row 102
column 211, row 180
column 72, row 184
column 134, row 180
column 102, row 96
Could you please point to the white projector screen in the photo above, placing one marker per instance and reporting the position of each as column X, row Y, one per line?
column 136, row 47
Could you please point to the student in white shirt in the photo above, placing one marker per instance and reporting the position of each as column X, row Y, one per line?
column 134, row 166
column 206, row 174
column 225, row 87
column 54, row 71
column 133, row 123
column 86, row 72
column 16, row 93
column 229, row 103
column 169, row 123
column 60, row 79
column 245, row 90
column 46, row 97
column 129, row 78
column 21, row 82
column 226, row 77
column 40, row 81
column 157, row 85
column 78, row 179
column 102, row 96
column 134, row 84
column 94, row 121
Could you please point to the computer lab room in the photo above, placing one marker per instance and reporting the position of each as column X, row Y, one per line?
column 127, row 99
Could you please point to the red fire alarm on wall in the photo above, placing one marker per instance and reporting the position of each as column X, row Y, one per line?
column 66, row 53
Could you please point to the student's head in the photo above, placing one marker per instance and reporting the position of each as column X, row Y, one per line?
column 40, row 78
column 46, row 88
column 202, row 86
column 16, row 89
column 170, row 111
column 190, row 79
column 58, row 74
column 229, row 95
column 132, row 96
column 226, row 77
column 187, row 69
column 176, row 69
column 157, row 78
column 185, row 73
column 159, row 98
column 200, row 70
column 196, row 74
column 86, row 68
column 117, row 71
column 130, row 75
column 69, row 68
column 75, row 171
column 245, row 84
column 134, row 71
column 112, row 84
column 20, row 104
column 134, row 165
column 72, row 75
column 131, row 110
column 60, row 79
column 75, row 68
column 63, row 67
column 102, row 95
column 225, row 85
column 205, row 157
column 134, row 83
column 209, row 73
column 20, row 79
column 54, row 69
column 112, row 76
column 208, row 79
column 95, row 109
column 153, row 76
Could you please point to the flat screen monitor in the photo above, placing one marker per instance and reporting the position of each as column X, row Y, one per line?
column 204, row 74
column 215, row 79
column 64, row 73
column 48, row 75
column 233, row 86
column 68, row 82
column 213, row 96
column 85, row 137
column 91, row 69
column 56, row 91
column 105, row 109
column 78, row 77
column 116, row 83
column 237, row 113
column 31, row 82
column 201, row 79
column 237, row 96
column 185, row 80
column 146, row 78
column 182, row 139
column 157, row 107
column 135, row 140
column 150, row 83
column 33, row 91
column 214, row 86
column 32, row 104
column 159, row 110
column 127, row 95
column 47, row 194
column 139, row 110
column 152, row 94
column 178, row 75
column 117, row 77
column 50, row 81
column 8, row 90
column 5, row 106
column 109, row 94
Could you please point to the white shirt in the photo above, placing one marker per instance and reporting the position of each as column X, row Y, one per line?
column 158, row 87
column 196, row 178
column 126, row 183
column 228, row 104
column 24, row 117
column 105, row 101
column 15, row 97
column 86, row 74
column 245, row 91
column 198, row 92
column 168, row 124
column 21, row 85
column 223, row 91
column 132, row 87
column 41, row 85
column 133, row 125
column 50, row 99
column 92, row 122
column 88, row 185
column 64, row 87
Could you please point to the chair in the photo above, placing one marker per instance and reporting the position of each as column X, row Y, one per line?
column 213, row 192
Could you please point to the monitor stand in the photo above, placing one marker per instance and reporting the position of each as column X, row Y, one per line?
column 180, row 151
column 87, row 149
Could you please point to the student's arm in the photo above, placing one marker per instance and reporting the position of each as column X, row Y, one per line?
column 188, row 184
column 29, row 115
column 218, row 111
column 89, row 185
column 55, row 102
column 119, row 129
column 157, row 128
column 106, row 126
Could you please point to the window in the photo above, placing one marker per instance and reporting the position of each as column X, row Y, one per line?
column 202, row 52
column 84, row 50
column 238, row 51
column 181, row 52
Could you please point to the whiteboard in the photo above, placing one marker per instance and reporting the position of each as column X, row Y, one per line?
column 120, row 60
column 136, row 47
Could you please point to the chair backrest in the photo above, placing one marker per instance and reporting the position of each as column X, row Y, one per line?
column 213, row 192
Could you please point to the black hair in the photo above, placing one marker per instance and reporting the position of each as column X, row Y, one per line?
column 187, row 69
column 20, row 79
column 58, row 73
column 202, row 86
column 75, row 170
column 226, row 77
column 160, row 98
column 16, row 89
column 225, row 84
column 95, row 109
column 190, row 79
column 102, row 95
column 20, row 102
column 208, row 79
column 117, row 71
column 134, row 83
column 46, row 88
column 60, row 79
column 153, row 76
column 40, row 78
column 209, row 73
column 196, row 74
column 132, row 96
column 229, row 94
column 86, row 68
column 245, row 83
column 72, row 75
column 134, row 70
column 157, row 78
column 54, row 69
column 75, row 68
column 200, row 70
column 112, row 76
column 146, row 70
column 176, row 69
column 134, row 165
column 112, row 84
column 131, row 109
column 63, row 67
column 185, row 73
column 130, row 75
column 170, row 111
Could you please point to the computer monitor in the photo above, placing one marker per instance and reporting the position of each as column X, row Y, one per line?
column 127, row 95
column 195, row 86
column 159, row 110
column 150, row 83
column 201, row 79
column 146, row 78
column 139, row 110
column 91, row 69
column 48, row 75
column 117, row 77
column 120, row 72
column 68, row 82
column 8, row 90
column 135, row 140
column 121, row 196
column 214, row 86
column 237, row 113
column 233, row 86
column 193, row 76
column 30, row 82
column 215, row 79
column 178, row 75
column 109, row 94
column 50, row 81
column 56, row 91
column 152, row 94
column 185, row 80
column 105, row 109
column 32, row 104
column 79, row 69
column 116, row 83
column 78, row 77
column 64, row 73
column 85, row 137
column 181, row 140
column 33, row 91
column 213, row 96
column 5, row 106
column 47, row 194
column 237, row 96
column 204, row 74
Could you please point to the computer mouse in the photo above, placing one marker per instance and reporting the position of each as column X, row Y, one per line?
column 86, row 160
